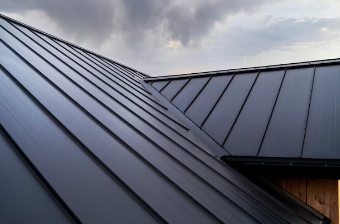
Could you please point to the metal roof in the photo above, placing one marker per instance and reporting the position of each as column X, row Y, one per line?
column 83, row 141
column 287, row 111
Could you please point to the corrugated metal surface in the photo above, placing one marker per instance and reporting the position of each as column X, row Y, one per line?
column 93, row 146
column 286, row 111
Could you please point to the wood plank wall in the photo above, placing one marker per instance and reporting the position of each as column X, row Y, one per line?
column 321, row 194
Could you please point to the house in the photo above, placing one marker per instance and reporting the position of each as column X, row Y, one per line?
column 85, row 139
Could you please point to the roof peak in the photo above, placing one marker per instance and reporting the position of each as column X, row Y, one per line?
column 249, row 69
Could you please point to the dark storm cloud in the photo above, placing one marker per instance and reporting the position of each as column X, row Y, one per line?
column 80, row 18
column 193, row 23
column 183, row 21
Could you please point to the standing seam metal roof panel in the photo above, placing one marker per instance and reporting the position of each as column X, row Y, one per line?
column 106, row 158
column 219, row 122
column 287, row 111
column 284, row 136
column 203, row 104
column 322, row 136
column 187, row 94
column 23, row 189
column 249, row 127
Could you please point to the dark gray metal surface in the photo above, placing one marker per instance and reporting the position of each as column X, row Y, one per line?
column 249, row 127
column 160, row 85
column 23, row 198
column 285, row 133
column 220, row 120
column 205, row 101
column 188, row 93
column 323, row 127
column 106, row 149
column 172, row 88
column 286, row 111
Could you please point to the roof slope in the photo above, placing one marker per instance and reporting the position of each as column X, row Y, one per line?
column 286, row 111
column 93, row 146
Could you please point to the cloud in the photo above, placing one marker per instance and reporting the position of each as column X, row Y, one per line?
column 278, row 40
column 267, row 40
column 135, row 20
column 184, row 21
column 174, row 45
column 83, row 19
column 278, row 33
column 173, row 36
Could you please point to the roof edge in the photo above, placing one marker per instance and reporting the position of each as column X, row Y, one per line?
column 249, row 69
column 305, row 167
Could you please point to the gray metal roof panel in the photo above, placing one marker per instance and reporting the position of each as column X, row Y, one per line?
column 322, row 134
column 203, row 104
column 172, row 88
column 251, row 122
column 108, row 148
column 243, row 185
column 297, row 121
column 285, row 133
column 63, row 162
column 159, row 85
column 220, row 121
column 23, row 198
column 188, row 93
column 112, row 86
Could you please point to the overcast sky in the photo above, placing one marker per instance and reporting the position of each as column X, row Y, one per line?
column 163, row 37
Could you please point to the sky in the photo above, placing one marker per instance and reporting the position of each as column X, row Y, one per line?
column 166, row 37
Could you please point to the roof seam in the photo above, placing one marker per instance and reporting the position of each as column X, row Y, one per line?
column 110, row 86
column 164, row 86
column 271, row 114
column 144, row 136
column 126, row 78
column 310, row 102
column 250, row 195
column 127, row 146
column 218, row 99
column 37, row 174
column 240, row 111
column 83, row 146
column 114, row 69
column 109, row 95
column 45, row 74
column 200, row 127
column 107, row 75
column 121, row 78
column 197, row 95
column 186, row 83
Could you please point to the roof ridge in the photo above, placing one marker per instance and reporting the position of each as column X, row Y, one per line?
column 247, row 69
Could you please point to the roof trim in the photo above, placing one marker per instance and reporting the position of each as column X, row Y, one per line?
column 316, row 168
column 284, row 161
column 244, row 70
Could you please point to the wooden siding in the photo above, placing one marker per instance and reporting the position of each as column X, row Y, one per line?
column 321, row 194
